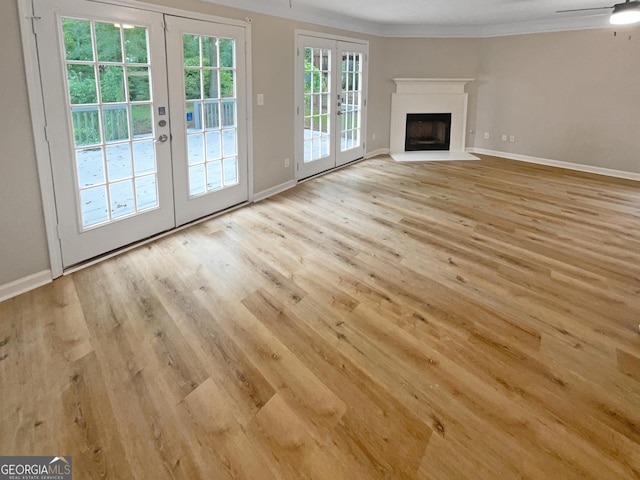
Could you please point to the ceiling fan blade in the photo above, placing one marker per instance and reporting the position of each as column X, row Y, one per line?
column 584, row 9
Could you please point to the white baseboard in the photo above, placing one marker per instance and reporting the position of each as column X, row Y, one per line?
column 22, row 285
column 556, row 163
column 375, row 153
column 292, row 183
column 274, row 190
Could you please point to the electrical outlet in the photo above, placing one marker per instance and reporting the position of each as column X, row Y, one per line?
column 504, row 137
column 286, row 163
column 512, row 138
column 373, row 137
column 486, row 135
column 260, row 99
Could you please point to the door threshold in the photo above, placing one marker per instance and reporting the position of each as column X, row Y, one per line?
column 334, row 169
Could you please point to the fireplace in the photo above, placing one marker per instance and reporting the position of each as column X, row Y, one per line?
column 429, row 119
column 427, row 131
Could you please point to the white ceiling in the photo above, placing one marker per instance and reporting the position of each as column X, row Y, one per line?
column 436, row 18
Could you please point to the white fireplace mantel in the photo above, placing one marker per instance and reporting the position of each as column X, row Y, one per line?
column 431, row 85
column 429, row 95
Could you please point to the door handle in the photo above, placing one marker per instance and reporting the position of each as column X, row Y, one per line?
column 162, row 138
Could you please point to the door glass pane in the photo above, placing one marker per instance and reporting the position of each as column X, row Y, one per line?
column 82, row 84
column 194, row 149
column 197, row 180
column 142, row 121
column 210, row 95
column 111, row 159
column 119, row 162
column 229, row 143
column 214, row 152
column 146, row 192
column 227, row 53
column 210, row 85
column 136, row 44
column 227, row 84
column 144, row 157
column 231, row 170
column 115, row 123
column 228, row 113
column 86, row 126
column 317, row 105
column 214, row 175
column 121, row 195
column 139, row 84
column 191, row 49
column 112, row 84
column 212, row 115
column 93, row 203
column 108, row 42
column 209, row 52
column 351, row 100
column 78, row 41
column 193, row 88
column 194, row 116
column 90, row 167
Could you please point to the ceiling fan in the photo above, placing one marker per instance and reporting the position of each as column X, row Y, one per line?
column 623, row 13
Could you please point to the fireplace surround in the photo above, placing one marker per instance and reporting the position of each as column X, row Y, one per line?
column 427, row 131
column 420, row 96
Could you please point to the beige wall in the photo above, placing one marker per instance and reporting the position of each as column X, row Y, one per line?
column 571, row 96
column 422, row 58
column 521, row 82
column 23, row 248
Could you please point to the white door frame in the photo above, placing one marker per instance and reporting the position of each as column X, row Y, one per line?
column 298, row 104
column 28, row 30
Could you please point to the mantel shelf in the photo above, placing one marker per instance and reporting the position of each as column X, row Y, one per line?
column 431, row 85
column 432, row 80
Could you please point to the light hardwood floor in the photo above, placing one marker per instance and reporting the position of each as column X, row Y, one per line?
column 465, row 320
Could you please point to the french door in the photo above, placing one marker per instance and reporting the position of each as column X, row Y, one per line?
column 133, row 149
column 331, row 79
column 208, row 113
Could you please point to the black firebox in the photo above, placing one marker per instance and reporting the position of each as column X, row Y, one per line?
column 428, row 131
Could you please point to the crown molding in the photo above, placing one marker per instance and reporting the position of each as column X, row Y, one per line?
column 320, row 17
column 303, row 14
column 520, row 28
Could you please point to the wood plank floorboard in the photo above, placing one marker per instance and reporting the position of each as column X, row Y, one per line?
column 446, row 320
